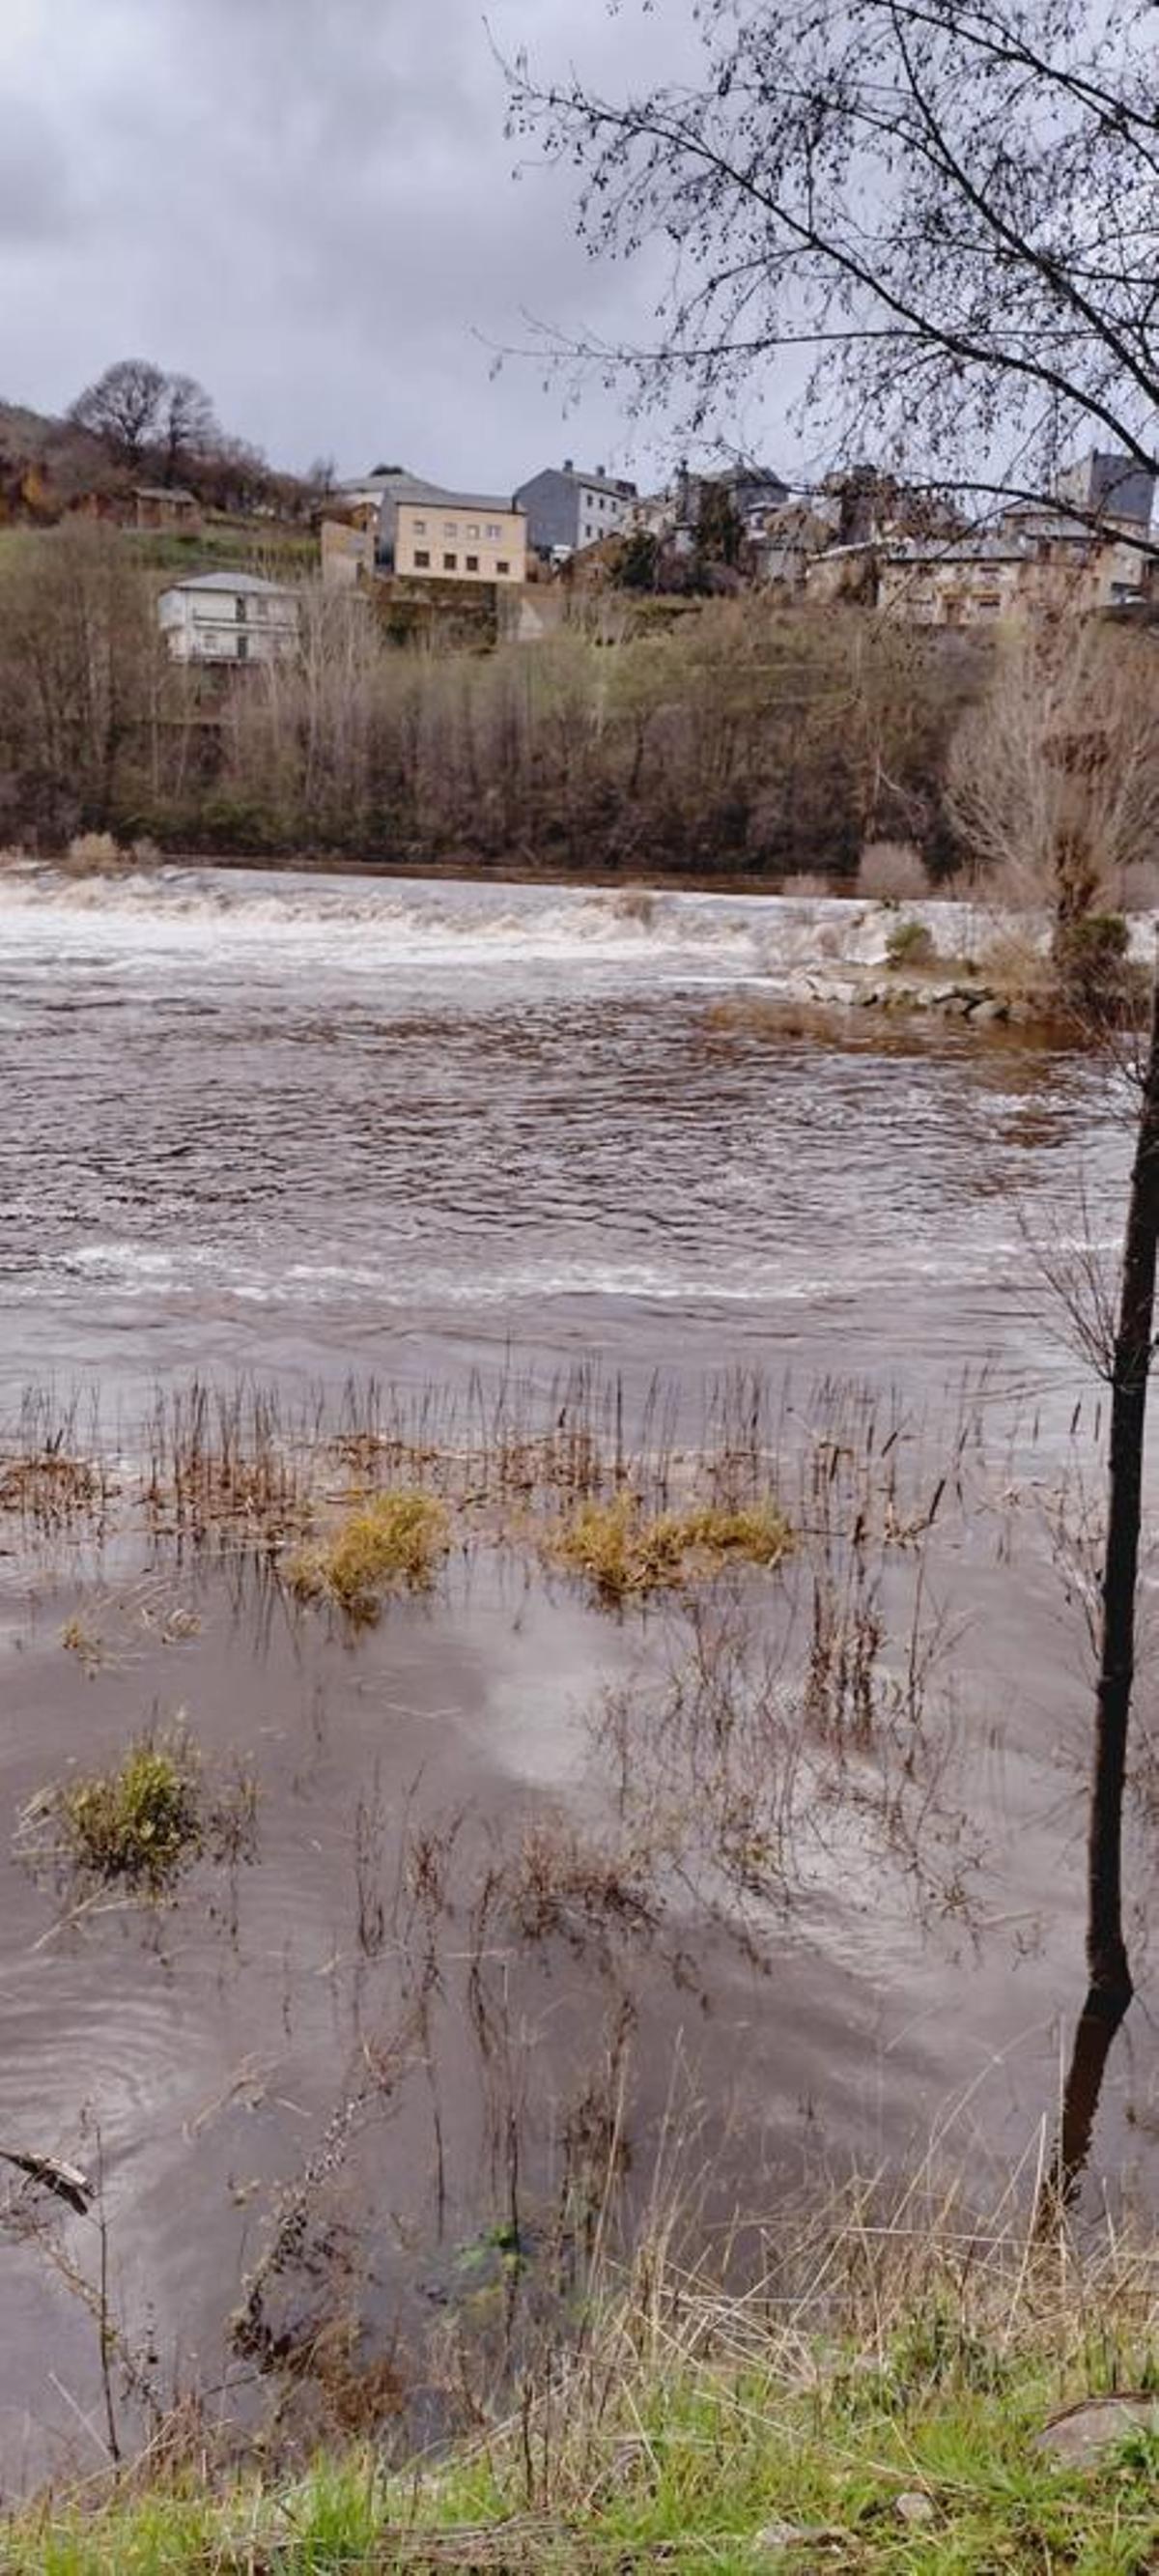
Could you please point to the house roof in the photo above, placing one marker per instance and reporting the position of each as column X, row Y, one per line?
column 249, row 582
column 439, row 499
column 412, row 487
column 163, row 492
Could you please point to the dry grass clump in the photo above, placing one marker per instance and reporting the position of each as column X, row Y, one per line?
column 94, row 850
column 814, row 885
column 393, row 1539
column 1016, row 967
column 48, row 1487
column 892, row 872
column 624, row 1551
column 562, row 1883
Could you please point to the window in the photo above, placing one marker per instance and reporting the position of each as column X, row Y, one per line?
column 450, row 563
column 239, row 611
column 502, row 569
column 450, row 527
column 243, row 648
column 472, row 563
column 422, row 559
column 420, row 527
column 473, row 528
column 494, row 533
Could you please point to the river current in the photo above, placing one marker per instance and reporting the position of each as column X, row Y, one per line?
column 307, row 1124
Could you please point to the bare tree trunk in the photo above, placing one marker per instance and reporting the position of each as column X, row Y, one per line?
column 1110, row 1976
column 1110, row 1989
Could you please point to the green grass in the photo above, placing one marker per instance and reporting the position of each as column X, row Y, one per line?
column 226, row 545
column 684, row 2465
column 141, row 1821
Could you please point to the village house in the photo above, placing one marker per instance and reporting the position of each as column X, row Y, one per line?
column 164, row 505
column 1082, row 555
column 426, row 533
column 568, row 509
column 458, row 536
column 1038, row 563
column 228, row 618
column 787, row 542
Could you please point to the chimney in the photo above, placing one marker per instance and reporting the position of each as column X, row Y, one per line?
column 599, row 470
column 569, row 465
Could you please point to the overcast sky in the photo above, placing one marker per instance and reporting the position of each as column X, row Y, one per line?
column 309, row 205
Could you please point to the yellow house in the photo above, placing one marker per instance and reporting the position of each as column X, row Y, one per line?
column 457, row 536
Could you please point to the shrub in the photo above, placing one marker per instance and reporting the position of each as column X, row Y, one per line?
column 624, row 1551
column 396, row 1538
column 1091, row 963
column 892, row 872
column 909, row 944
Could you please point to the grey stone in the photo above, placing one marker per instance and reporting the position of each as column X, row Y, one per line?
column 1085, row 2433
column 777, row 2536
column 914, row 2507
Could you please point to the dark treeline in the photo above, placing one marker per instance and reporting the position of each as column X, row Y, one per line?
column 740, row 737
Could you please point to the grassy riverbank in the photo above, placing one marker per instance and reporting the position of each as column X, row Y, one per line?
column 876, row 2407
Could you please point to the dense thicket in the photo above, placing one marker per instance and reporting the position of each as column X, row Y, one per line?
column 742, row 736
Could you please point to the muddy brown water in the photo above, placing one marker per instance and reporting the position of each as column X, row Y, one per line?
column 309, row 1132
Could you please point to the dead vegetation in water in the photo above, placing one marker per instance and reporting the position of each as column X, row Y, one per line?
column 226, row 1464
column 779, row 1015
column 53, row 1475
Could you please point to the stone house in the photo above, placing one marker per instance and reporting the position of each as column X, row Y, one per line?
column 1039, row 563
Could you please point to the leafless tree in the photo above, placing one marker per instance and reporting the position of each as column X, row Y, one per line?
column 124, row 408
column 1054, row 777
column 951, row 206
column 187, row 424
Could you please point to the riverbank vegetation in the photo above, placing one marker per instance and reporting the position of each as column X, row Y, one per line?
column 905, row 2389
column 742, row 737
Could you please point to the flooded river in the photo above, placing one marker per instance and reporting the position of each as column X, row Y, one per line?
column 307, row 1133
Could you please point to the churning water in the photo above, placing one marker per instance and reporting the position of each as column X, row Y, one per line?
column 306, row 1124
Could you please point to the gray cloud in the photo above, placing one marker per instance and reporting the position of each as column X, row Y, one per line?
column 312, row 210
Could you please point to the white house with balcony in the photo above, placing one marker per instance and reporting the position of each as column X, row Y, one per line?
column 228, row 617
